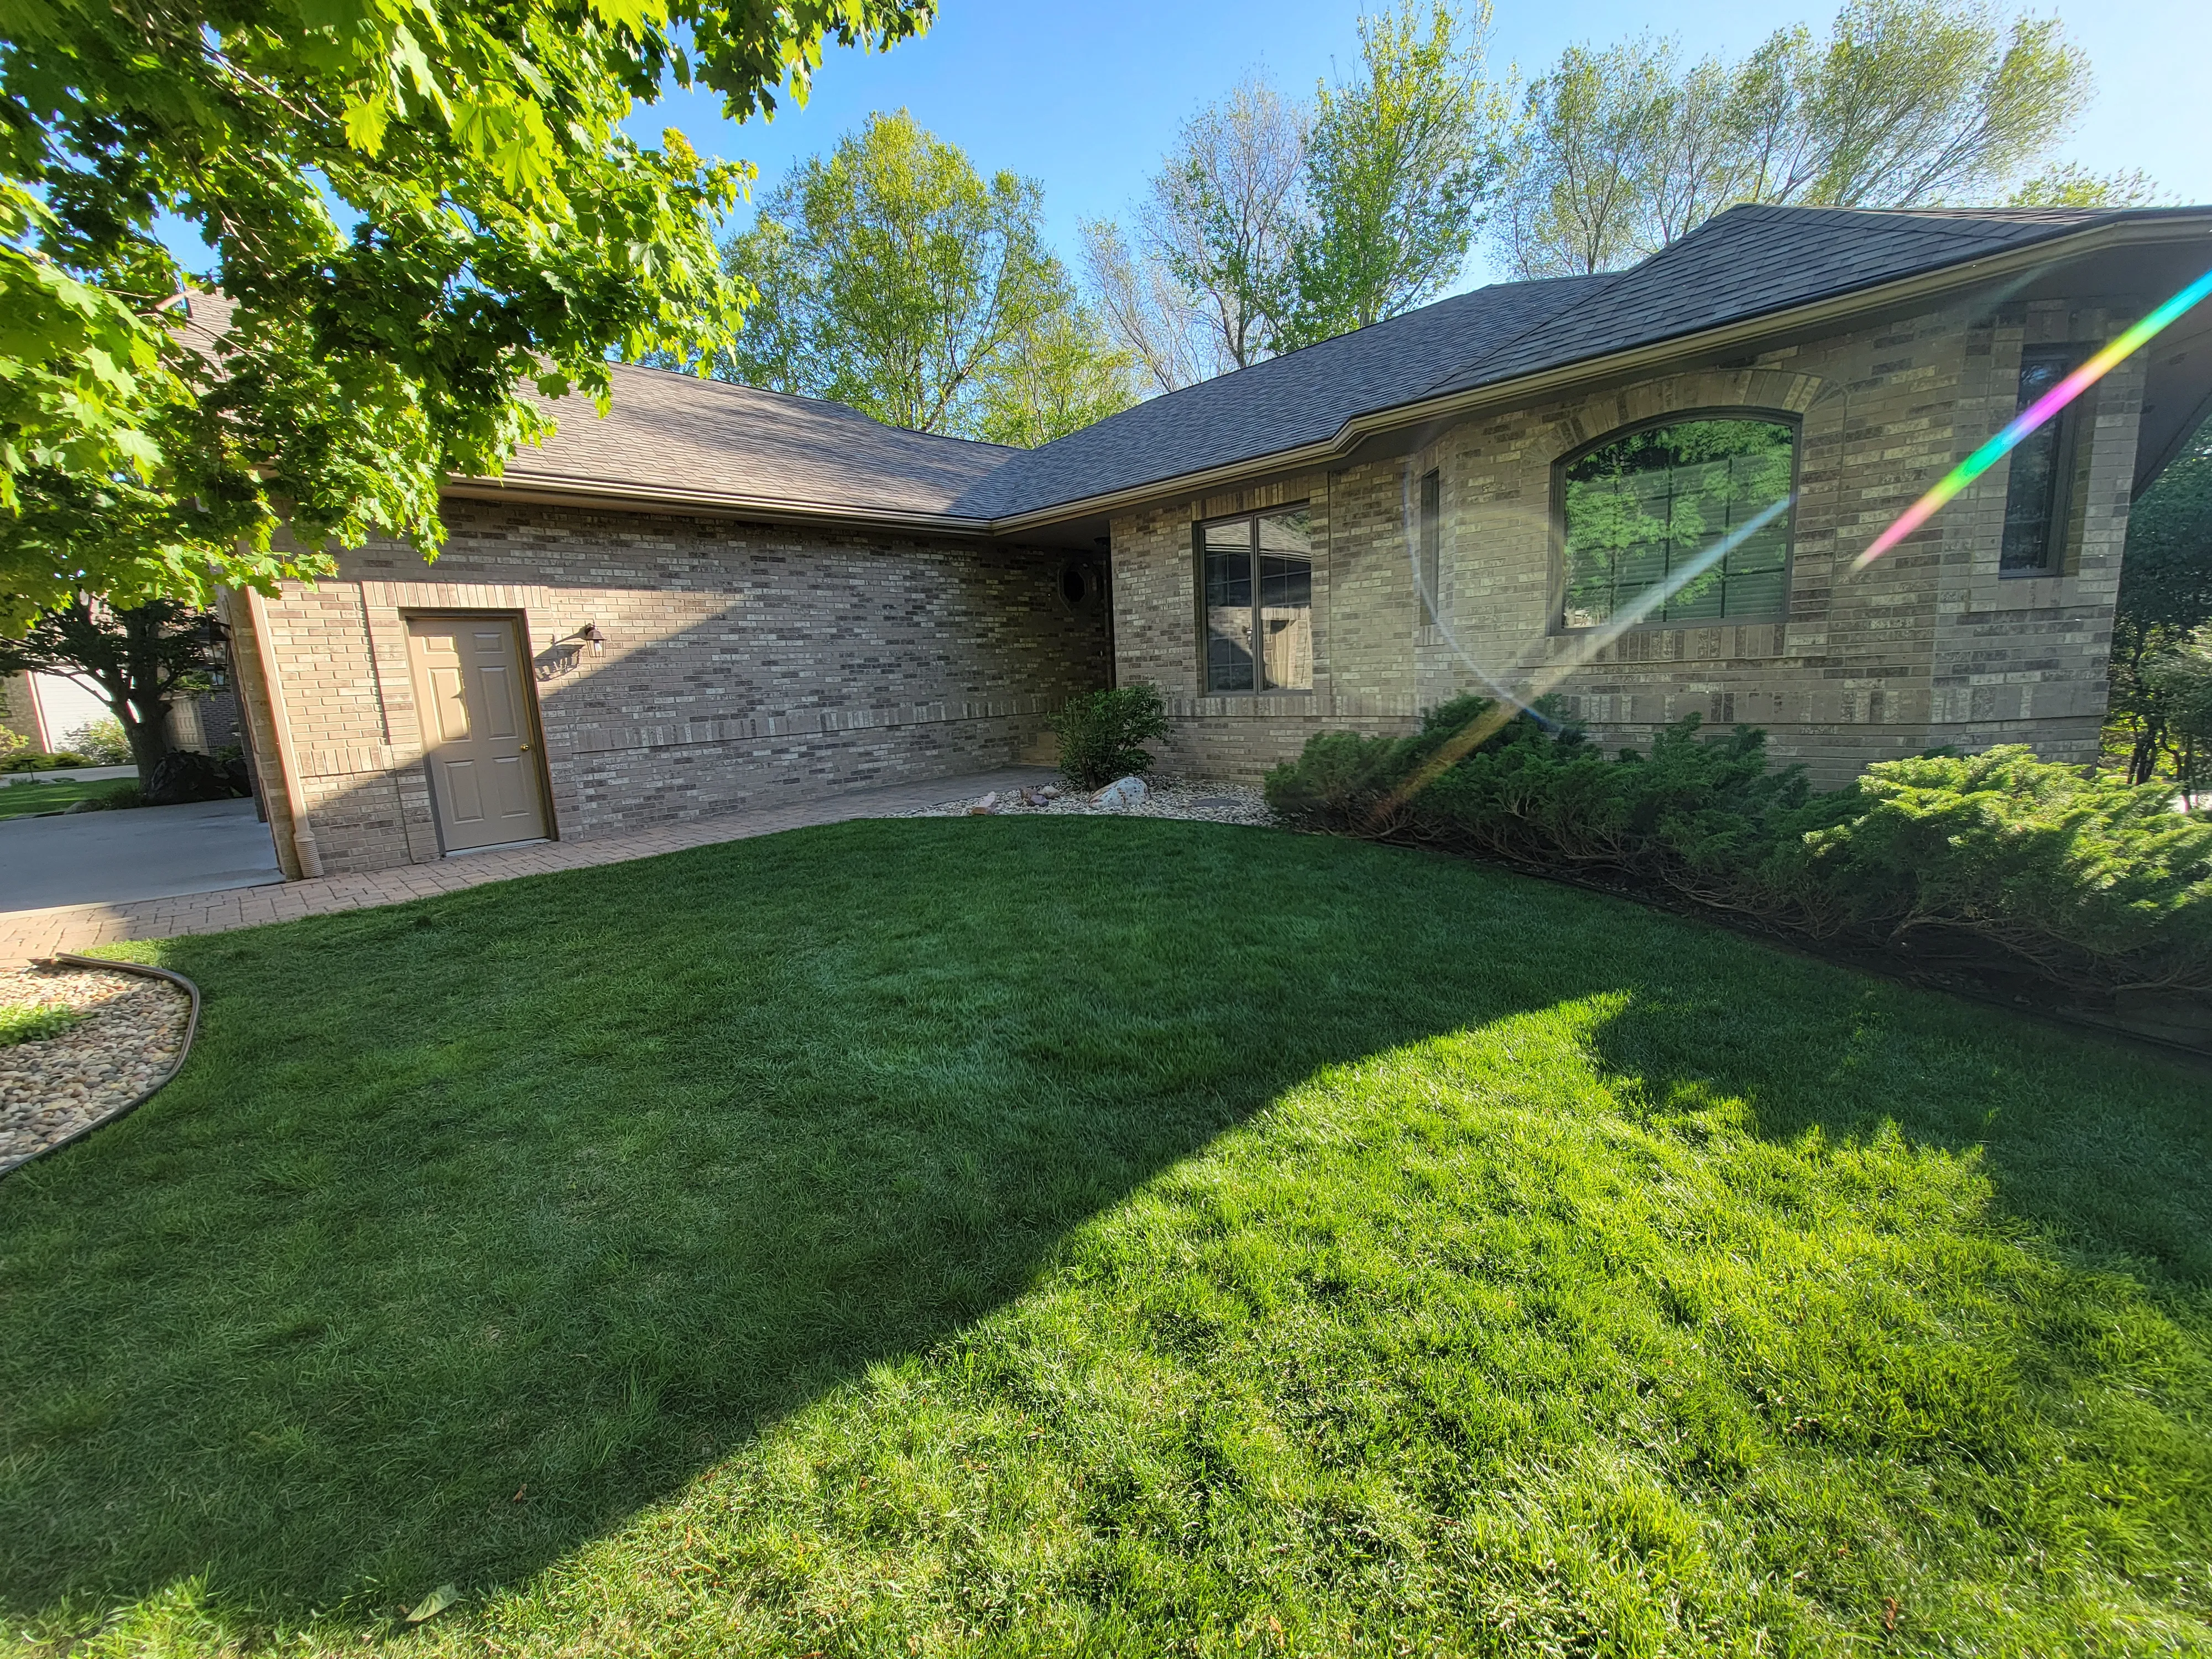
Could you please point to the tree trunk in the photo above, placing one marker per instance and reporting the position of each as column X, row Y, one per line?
column 2143, row 760
column 149, row 737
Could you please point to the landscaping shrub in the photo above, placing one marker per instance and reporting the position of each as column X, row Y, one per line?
column 1102, row 733
column 39, row 760
column 2089, row 881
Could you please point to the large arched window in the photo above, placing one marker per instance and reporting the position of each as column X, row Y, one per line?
column 1697, row 506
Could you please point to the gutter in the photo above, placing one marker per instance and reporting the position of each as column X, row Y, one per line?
column 538, row 487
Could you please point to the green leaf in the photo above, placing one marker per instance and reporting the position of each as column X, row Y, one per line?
column 433, row 1604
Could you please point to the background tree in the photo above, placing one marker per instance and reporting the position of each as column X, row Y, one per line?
column 2072, row 185
column 1399, row 162
column 1225, row 213
column 417, row 212
column 2159, row 630
column 1272, row 224
column 142, row 661
column 1591, row 159
column 1908, row 103
column 1057, row 375
column 892, row 277
column 1159, row 324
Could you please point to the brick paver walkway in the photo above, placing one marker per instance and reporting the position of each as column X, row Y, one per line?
column 83, row 926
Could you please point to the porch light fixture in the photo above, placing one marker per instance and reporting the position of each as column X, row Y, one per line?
column 591, row 636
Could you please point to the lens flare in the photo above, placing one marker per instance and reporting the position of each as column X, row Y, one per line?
column 1584, row 646
column 2031, row 417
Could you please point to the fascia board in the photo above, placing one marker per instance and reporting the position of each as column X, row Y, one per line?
column 704, row 503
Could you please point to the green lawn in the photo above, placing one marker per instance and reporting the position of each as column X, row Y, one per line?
column 1041, row 1236
column 52, row 794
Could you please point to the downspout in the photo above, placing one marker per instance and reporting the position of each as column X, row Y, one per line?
column 302, row 834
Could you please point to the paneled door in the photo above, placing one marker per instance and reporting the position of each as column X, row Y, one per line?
column 477, row 736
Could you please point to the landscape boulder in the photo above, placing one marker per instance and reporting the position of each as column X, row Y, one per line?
column 1121, row 793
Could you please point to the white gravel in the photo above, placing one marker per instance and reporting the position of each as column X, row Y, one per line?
column 125, row 1043
column 1165, row 798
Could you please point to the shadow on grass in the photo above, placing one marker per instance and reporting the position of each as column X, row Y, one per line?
column 477, row 1223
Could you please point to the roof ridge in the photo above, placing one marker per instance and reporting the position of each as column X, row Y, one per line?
column 1609, row 278
column 1316, row 345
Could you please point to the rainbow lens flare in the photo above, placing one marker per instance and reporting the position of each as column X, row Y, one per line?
column 2030, row 419
column 1584, row 646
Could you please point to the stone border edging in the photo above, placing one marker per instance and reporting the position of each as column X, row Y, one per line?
column 64, row 959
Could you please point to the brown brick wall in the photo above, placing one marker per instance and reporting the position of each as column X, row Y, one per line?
column 1931, row 647
column 743, row 663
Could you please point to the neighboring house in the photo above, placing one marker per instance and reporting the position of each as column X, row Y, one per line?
column 44, row 709
column 717, row 597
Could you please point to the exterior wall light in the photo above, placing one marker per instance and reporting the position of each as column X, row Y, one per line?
column 591, row 636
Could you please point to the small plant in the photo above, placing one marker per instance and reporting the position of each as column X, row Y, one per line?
column 34, row 1024
column 101, row 742
column 1101, row 734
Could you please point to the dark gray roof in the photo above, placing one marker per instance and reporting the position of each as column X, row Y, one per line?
column 1752, row 260
column 1300, row 398
column 676, row 435
column 1744, row 263
column 676, row 438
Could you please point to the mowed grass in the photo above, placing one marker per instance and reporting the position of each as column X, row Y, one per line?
column 29, row 798
column 1050, row 1235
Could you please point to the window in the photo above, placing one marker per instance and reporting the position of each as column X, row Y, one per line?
column 1653, row 502
column 2038, row 495
column 1255, row 585
column 1432, row 544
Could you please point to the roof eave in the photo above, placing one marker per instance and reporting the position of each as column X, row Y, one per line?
column 539, row 489
column 1357, row 428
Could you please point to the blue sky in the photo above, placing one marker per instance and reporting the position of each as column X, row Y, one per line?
column 1087, row 98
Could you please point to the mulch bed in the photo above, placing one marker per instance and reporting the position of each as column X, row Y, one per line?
column 125, row 1042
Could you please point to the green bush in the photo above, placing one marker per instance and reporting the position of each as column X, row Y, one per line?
column 39, row 760
column 102, row 739
column 1102, row 733
column 2090, row 881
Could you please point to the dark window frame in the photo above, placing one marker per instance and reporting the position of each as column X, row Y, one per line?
column 1254, row 645
column 1790, row 418
column 1430, row 521
column 2065, row 430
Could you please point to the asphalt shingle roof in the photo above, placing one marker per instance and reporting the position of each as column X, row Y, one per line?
column 1300, row 397
column 684, row 439
column 1752, row 260
column 687, row 437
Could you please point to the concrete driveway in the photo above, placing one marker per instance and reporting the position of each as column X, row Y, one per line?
column 150, row 852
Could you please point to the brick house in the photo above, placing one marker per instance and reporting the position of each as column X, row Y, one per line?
column 1643, row 489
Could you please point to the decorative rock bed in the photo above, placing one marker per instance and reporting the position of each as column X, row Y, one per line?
column 126, row 1042
column 1163, row 798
